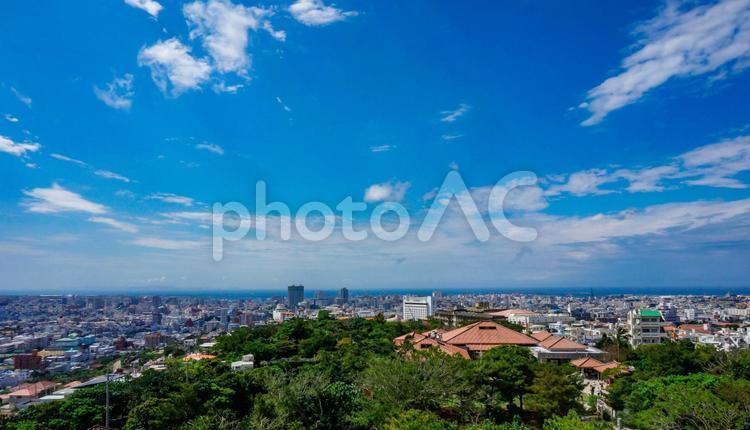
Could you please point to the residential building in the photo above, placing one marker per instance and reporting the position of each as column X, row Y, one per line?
column 646, row 327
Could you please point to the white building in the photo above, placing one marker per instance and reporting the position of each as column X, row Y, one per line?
column 417, row 308
column 645, row 327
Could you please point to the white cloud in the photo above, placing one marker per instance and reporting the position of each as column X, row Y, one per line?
column 279, row 101
column 111, row 175
column 117, row 94
column 210, row 147
column 713, row 165
column 583, row 183
column 316, row 13
column 451, row 136
column 387, row 191
column 124, row 226
column 677, row 44
column 172, row 198
column 68, row 159
column 223, row 87
column 10, row 118
column 21, row 97
column 18, row 149
column 452, row 115
column 57, row 199
column 659, row 219
column 173, row 69
column 167, row 244
column 382, row 148
column 150, row 6
column 223, row 29
column 279, row 35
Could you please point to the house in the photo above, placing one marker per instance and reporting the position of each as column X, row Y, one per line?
column 25, row 393
column 594, row 369
column 558, row 349
column 469, row 341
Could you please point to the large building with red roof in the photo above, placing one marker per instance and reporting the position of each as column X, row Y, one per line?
column 472, row 340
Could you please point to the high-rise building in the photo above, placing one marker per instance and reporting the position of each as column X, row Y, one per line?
column 295, row 295
column 417, row 308
column 646, row 327
column 343, row 296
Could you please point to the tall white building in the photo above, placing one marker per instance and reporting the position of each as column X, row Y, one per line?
column 645, row 327
column 417, row 308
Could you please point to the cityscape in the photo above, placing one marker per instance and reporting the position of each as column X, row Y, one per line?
column 374, row 215
column 54, row 345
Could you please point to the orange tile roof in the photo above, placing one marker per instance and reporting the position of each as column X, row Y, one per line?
column 586, row 363
column 484, row 335
column 541, row 335
column 606, row 366
column 698, row 328
column 558, row 343
column 445, row 347
column 198, row 357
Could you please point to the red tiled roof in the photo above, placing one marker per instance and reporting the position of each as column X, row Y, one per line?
column 484, row 335
column 541, row 335
column 412, row 337
column 586, row 363
column 445, row 347
column 606, row 366
column 698, row 328
column 558, row 343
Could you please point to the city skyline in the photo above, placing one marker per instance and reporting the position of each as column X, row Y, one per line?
column 113, row 148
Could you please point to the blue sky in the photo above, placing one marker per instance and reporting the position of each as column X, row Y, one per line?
column 123, row 121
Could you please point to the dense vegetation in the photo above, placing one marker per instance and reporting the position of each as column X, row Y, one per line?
column 332, row 374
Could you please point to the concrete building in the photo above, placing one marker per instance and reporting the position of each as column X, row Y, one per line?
column 417, row 308
column 295, row 295
column 646, row 327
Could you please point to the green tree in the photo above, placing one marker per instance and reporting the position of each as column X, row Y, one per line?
column 572, row 421
column 417, row 420
column 555, row 390
column 507, row 372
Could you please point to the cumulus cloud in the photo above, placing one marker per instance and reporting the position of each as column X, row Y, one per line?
column 57, row 199
column 223, row 28
column 119, row 225
column 10, row 118
column 173, row 69
column 18, row 149
column 392, row 191
column 453, row 115
column 210, row 147
column 316, row 13
column 111, row 175
column 172, row 198
column 150, row 6
column 117, row 94
column 678, row 43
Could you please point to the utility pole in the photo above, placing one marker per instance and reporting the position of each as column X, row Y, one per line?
column 106, row 407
